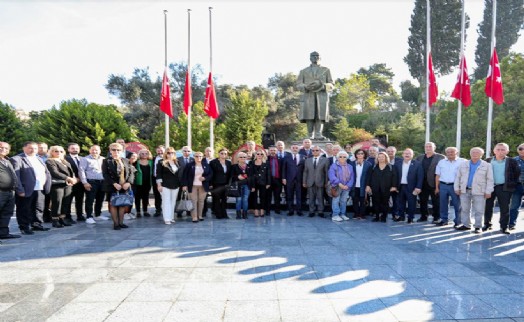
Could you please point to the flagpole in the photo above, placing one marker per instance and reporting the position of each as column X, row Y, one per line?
column 490, row 100
column 189, row 132
column 211, row 120
column 166, row 117
column 428, row 50
column 459, row 108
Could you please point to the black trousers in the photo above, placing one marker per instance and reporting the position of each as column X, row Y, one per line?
column 78, row 195
column 61, row 197
column 380, row 203
column 7, row 208
column 294, row 191
column 29, row 209
column 95, row 195
column 158, row 197
column 273, row 195
column 142, row 197
column 260, row 196
column 219, row 197
column 47, row 208
column 424, row 196
column 359, row 203
column 503, row 198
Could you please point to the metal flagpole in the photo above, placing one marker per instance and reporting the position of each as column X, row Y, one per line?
column 189, row 74
column 459, row 108
column 428, row 50
column 490, row 100
column 211, row 120
column 165, row 68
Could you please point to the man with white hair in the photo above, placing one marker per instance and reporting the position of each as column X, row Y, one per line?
column 429, row 161
column 516, row 198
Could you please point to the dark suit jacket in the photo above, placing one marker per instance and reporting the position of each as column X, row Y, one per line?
column 290, row 169
column 236, row 171
column 430, row 175
column 7, row 171
column 182, row 164
column 26, row 175
column 59, row 170
column 220, row 178
column 109, row 170
column 259, row 175
column 72, row 162
column 307, row 154
column 189, row 175
column 415, row 174
column 363, row 177
column 397, row 160
column 170, row 179
column 511, row 173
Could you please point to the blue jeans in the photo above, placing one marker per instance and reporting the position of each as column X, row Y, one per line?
column 338, row 204
column 447, row 192
column 244, row 196
column 516, row 201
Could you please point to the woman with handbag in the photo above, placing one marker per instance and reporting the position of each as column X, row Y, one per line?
column 143, row 177
column 118, row 176
column 62, row 181
column 221, row 169
column 168, row 183
column 239, row 177
column 360, row 169
column 195, row 181
column 381, row 181
column 260, row 181
column 342, row 178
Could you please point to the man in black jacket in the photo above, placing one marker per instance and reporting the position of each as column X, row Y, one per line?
column 7, row 191
column 78, row 189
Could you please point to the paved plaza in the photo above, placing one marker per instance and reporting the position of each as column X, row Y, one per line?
column 275, row 268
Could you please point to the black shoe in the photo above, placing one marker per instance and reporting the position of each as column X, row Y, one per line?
column 410, row 220
column 383, row 219
column 80, row 218
column 463, row 228
column 477, row 231
column 422, row 219
column 505, row 231
column 9, row 236
column 116, row 227
column 375, row 219
column 138, row 214
column 277, row 212
column 300, row 214
column 195, row 221
column 436, row 221
column 123, row 226
column 202, row 219
column 157, row 214
column 239, row 214
column 26, row 231
column 311, row 215
column 146, row 214
column 512, row 227
column 179, row 215
column 321, row 215
column 38, row 227
column 64, row 222
column 441, row 223
column 290, row 213
column 57, row 224
column 70, row 221
column 487, row 227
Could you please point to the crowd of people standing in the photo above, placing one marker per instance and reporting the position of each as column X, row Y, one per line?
column 42, row 182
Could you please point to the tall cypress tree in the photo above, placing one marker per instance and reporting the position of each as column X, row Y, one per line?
column 510, row 19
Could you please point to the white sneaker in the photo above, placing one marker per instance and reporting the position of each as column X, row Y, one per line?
column 127, row 216
column 102, row 217
column 344, row 217
column 90, row 220
column 336, row 218
column 132, row 215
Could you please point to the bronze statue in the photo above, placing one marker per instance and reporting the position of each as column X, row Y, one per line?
column 316, row 83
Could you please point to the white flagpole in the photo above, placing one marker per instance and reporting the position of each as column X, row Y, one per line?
column 165, row 68
column 428, row 50
column 459, row 107
column 490, row 100
column 211, row 120
column 189, row 132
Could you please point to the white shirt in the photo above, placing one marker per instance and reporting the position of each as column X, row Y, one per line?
column 157, row 158
column 39, row 169
column 447, row 170
column 359, row 168
column 405, row 170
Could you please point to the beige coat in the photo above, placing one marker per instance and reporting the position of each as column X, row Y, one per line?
column 482, row 180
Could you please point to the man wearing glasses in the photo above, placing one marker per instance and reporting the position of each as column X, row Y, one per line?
column 78, row 189
column 7, row 191
column 158, row 196
column 516, row 198
column 292, row 170
column 314, row 180
column 184, row 160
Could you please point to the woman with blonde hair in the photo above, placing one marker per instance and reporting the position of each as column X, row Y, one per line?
column 63, row 179
column 260, row 182
column 240, row 174
column 168, row 183
column 143, row 177
column 118, row 177
column 381, row 181
column 196, row 177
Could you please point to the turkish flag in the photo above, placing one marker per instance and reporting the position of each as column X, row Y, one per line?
column 462, row 90
column 210, row 102
column 433, row 89
column 494, row 87
column 165, row 96
column 187, row 94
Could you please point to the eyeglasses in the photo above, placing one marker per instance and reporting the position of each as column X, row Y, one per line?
column 260, row 153
column 360, row 153
column 315, row 150
column 342, row 157
column 116, row 150
column 186, row 151
column 198, row 156
column 59, row 151
column 242, row 157
column 170, row 152
column 520, row 149
column 223, row 152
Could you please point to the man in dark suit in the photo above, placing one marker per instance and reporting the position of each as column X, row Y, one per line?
column 314, row 179
column 42, row 154
column 410, row 176
column 33, row 181
column 393, row 159
column 429, row 161
column 158, row 196
column 7, row 191
column 78, row 189
column 292, row 170
column 185, row 159
column 273, row 193
column 306, row 148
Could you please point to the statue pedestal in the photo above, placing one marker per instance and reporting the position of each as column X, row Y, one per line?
column 320, row 143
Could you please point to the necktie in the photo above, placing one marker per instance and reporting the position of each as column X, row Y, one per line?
column 315, row 163
column 77, row 162
column 297, row 159
column 187, row 160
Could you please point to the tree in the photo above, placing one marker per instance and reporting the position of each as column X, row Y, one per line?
column 409, row 131
column 83, row 123
column 243, row 120
column 345, row 134
column 354, row 94
column 410, row 93
column 12, row 129
column 510, row 19
column 380, row 79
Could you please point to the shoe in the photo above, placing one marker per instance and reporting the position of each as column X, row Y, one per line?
column 456, row 226
column 102, row 217
column 70, row 221
column 57, row 224
column 442, row 223
column 179, row 215
column 90, row 220
column 157, row 214
column 195, row 221
column 123, row 226
column 410, row 220
column 116, row 227
column 477, row 231
column 344, row 217
column 505, row 231
column 128, row 217
column 487, row 227
column 167, row 222
column 383, row 219
column 290, row 213
column 300, row 214
column 202, row 219
column 80, row 218
column 239, row 216
column 64, row 222
column 512, row 227
column 26, row 231
column 337, row 219
column 9, row 236
column 397, row 219
column 277, row 212
column 375, row 219
column 435, row 221
column 463, row 228
column 138, row 214
column 173, row 221
column 321, row 215
column 422, row 219
column 311, row 215
column 39, row 227
column 146, row 214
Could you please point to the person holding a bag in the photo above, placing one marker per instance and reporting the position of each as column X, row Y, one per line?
column 195, row 181
column 260, row 175
column 168, row 183
column 118, row 176
column 342, row 178
column 239, row 177
column 62, row 180
column 221, row 169
column 381, row 182
column 143, row 176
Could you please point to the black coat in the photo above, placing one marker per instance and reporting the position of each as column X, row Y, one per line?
column 109, row 170
column 236, row 171
column 170, row 179
column 189, row 175
column 259, row 175
column 59, row 170
column 382, row 180
column 220, row 178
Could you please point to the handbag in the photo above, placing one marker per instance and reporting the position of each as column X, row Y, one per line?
column 233, row 190
column 184, row 204
column 122, row 199
column 58, row 182
column 333, row 191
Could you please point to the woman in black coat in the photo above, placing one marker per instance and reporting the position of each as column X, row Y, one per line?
column 381, row 181
column 221, row 169
column 168, row 182
column 260, row 181
column 63, row 179
column 118, row 177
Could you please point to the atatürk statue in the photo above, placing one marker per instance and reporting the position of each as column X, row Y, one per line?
column 316, row 83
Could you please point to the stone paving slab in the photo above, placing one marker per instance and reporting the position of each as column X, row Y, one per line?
column 275, row 268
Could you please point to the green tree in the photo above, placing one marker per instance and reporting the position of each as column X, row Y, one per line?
column 345, row 134
column 12, row 129
column 82, row 122
column 380, row 78
column 410, row 93
column 243, row 120
column 409, row 131
column 354, row 94
column 510, row 19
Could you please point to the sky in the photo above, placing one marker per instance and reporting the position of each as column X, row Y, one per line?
column 58, row 50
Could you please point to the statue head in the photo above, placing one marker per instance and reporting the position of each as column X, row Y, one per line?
column 314, row 57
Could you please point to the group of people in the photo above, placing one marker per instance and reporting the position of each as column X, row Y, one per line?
column 42, row 183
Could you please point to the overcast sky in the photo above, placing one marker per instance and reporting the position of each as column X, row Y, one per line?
column 57, row 50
